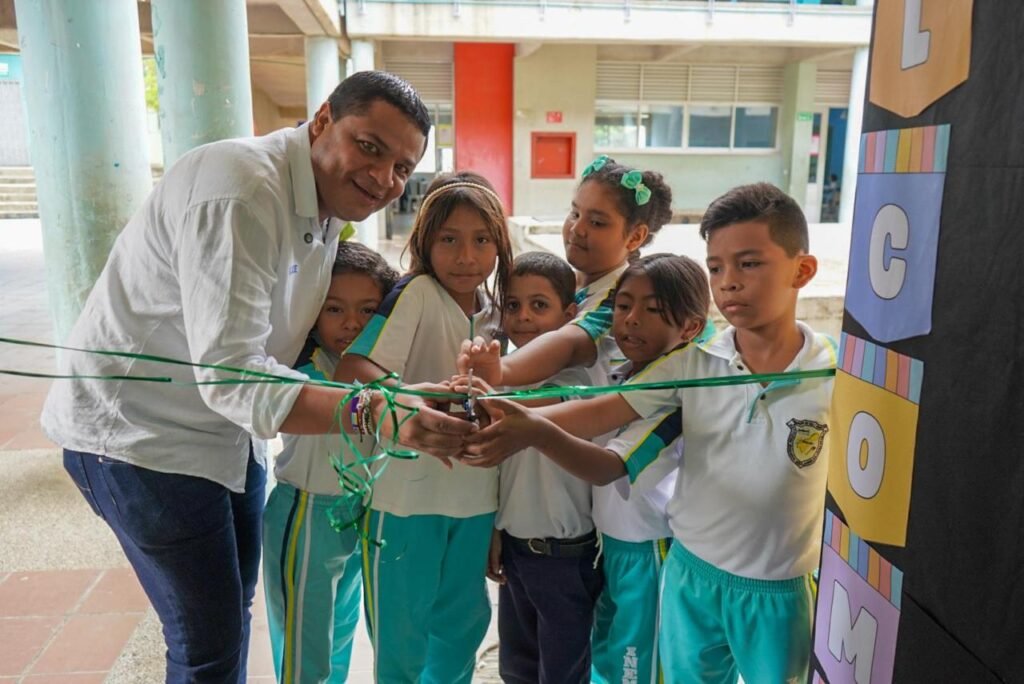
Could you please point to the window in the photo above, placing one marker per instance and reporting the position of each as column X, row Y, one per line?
column 710, row 126
column 661, row 126
column 672, row 106
column 615, row 126
column 755, row 126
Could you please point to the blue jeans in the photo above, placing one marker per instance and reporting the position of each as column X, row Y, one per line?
column 195, row 547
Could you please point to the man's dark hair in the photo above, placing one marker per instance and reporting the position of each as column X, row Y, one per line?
column 354, row 257
column 359, row 91
column 556, row 270
column 760, row 202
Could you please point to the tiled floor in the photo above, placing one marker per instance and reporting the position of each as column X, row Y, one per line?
column 67, row 625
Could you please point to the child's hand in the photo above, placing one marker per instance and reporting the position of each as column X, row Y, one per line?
column 513, row 428
column 495, row 570
column 483, row 357
column 460, row 385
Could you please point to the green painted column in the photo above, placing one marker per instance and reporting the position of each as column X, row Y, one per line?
column 799, row 81
column 201, row 48
column 323, row 71
column 86, row 108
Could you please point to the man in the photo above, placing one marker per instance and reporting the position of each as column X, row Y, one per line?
column 227, row 263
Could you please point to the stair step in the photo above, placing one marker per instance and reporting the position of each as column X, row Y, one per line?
column 19, row 206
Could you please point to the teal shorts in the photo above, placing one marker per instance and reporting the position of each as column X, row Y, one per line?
column 312, row 578
column 425, row 595
column 716, row 626
column 625, row 638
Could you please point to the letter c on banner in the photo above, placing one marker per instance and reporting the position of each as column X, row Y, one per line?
column 892, row 228
column 865, row 433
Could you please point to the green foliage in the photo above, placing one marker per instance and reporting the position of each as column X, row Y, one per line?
column 149, row 79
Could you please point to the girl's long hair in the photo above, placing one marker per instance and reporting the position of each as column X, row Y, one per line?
column 438, row 205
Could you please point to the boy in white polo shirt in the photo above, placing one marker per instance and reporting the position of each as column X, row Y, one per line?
column 746, row 513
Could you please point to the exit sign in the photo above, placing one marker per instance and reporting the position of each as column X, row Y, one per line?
column 554, row 117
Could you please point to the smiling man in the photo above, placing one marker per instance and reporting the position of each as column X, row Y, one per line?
column 226, row 263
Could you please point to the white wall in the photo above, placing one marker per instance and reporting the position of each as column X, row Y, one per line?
column 554, row 78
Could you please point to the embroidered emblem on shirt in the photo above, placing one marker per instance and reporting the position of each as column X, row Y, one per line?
column 806, row 438
column 293, row 269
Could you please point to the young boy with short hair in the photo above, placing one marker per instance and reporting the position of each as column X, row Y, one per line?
column 746, row 515
column 545, row 547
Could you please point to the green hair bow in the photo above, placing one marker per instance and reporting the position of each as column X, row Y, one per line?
column 634, row 180
column 596, row 165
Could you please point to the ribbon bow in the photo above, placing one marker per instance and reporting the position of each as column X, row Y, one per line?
column 596, row 165
column 634, row 180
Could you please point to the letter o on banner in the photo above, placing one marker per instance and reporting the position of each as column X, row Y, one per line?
column 865, row 480
column 891, row 227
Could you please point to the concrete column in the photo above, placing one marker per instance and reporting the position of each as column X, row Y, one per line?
column 854, row 123
column 84, row 95
column 202, row 59
column 797, row 124
column 323, row 71
column 369, row 231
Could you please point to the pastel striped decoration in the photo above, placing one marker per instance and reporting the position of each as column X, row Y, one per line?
column 905, row 150
column 897, row 373
column 864, row 560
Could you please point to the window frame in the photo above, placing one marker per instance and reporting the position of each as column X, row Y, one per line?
column 639, row 105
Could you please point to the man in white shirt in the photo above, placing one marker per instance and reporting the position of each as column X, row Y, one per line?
column 227, row 263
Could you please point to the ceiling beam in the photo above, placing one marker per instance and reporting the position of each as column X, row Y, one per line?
column 666, row 53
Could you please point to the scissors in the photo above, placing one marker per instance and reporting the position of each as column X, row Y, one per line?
column 470, row 403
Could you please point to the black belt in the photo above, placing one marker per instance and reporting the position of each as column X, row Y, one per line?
column 556, row 548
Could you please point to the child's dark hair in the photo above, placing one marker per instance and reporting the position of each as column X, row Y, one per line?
column 787, row 224
column 556, row 270
column 355, row 94
column 354, row 257
column 471, row 190
column 655, row 213
column 680, row 285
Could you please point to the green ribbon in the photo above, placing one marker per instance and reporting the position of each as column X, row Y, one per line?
column 358, row 477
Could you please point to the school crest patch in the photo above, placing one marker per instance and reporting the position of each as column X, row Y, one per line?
column 806, row 438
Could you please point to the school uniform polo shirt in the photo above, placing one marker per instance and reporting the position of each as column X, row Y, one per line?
column 416, row 333
column 595, row 306
column 225, row 263
column 751, row 488
column 637, row 511
column 537, row 497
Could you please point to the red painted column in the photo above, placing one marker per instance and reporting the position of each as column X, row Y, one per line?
column 483, row 113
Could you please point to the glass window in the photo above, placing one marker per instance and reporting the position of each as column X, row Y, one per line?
column 755, row 126
column 661, row 126
column 710, row 125
column 615, row 126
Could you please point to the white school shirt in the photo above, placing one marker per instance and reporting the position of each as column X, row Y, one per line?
column 751, row 488
column 538, row 498
column 417, row 333
column 638, row 513
column 225, row 263
column 594, row 315
column 305, row 461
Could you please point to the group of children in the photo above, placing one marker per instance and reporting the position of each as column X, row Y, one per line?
column 621, row 555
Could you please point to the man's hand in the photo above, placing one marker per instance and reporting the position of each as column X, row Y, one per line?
column 483, row 357
column 430, row 430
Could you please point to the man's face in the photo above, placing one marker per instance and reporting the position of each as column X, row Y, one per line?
column 361, row 162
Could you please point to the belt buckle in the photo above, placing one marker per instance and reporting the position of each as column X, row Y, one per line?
column 539, row 546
